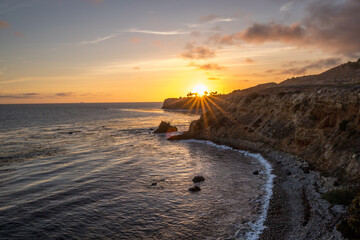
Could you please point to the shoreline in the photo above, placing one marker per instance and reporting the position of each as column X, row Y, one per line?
column 296, row 209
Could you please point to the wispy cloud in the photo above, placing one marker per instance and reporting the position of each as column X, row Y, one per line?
column 322, row 63
column 19, row 95
column 212, row 18
column 95, row 41
column 9, row 6
column 19, row 34
column 174, row 32
column 287, row 6
column 197, row 52
column 4, row 24
column 207, row 66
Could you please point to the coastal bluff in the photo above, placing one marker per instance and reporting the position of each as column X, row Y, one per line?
column 316, row 118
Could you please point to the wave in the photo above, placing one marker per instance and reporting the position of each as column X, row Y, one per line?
column 257, row 227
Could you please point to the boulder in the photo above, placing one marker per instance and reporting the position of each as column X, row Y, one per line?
column 195, row 189
column 255, row 172
column 165, row 127
column 198, row 179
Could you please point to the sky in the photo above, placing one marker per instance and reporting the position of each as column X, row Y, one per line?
column 66, row 51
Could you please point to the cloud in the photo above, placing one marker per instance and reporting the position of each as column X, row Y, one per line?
column 64, row 94
column 213, row 78
column 135, row 40
column 248, row 60
column 287, row 6
column 98, row 40
column 207, row 67
column 332, row 26
column 4, row 24
column 208, row 18
column 18, row 34
column 200, row 52
column 136, row 68
column 272, row 32
column 175, row 32
column 20, row 95
column 322, row 63
column 212, row 18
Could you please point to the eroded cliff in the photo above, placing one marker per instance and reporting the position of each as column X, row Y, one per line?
column 319, row 123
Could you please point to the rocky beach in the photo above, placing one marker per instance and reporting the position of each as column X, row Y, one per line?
column 308, row 128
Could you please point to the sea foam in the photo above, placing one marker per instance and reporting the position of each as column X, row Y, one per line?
column 257, row 227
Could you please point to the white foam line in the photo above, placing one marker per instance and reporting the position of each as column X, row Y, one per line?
column 257, row 227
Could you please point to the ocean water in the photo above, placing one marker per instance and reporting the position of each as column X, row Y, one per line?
column 88, row 171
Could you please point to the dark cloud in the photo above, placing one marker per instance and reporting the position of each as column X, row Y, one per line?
column 332, row 26
column 64, row 94
column 213, row 78
column 20, row 95
column 260, row 33
column 200, row 52
column 322, row 63
column 207, row 66
column 4, row 24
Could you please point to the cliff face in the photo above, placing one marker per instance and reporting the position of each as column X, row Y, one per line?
column 195, row 104
column 320, row 124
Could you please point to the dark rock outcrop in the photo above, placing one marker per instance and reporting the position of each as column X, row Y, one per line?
column 194, row 189
column 198, row 179
column 165, row 127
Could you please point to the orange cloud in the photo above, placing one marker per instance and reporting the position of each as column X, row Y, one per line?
column 213, row 78
column 19, row 34
column 248, row 60
column 193, row 52
column 207, row 67
column 135, row 40
column 4, row 24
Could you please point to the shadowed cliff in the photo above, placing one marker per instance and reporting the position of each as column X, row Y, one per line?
column 317, row 119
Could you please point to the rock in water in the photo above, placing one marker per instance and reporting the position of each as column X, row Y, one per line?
column 256, row 172
column 195, row 189
column 198, row 179
column 165, row 127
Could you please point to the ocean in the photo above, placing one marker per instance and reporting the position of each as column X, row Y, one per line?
column 96, row 171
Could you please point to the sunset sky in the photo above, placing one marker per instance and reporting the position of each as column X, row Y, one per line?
column 133, row 51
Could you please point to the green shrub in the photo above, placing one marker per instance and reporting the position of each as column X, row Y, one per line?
column 340, row 196
column 354, row 215
column 350, row 227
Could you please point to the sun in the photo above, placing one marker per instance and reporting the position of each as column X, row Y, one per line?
column 200, row 89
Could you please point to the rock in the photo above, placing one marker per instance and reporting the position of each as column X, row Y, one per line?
column 306, row 170
column 165, row 127
column 154, row 184
column 198, row 179
column 70, row 132
column 287, row 172
column 194, row 189
column 255, row 172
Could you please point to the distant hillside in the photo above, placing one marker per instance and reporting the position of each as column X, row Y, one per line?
column 347, row 73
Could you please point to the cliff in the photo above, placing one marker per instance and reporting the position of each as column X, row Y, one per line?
column 318, row 120
column 194, row 104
